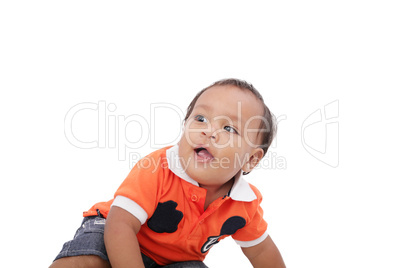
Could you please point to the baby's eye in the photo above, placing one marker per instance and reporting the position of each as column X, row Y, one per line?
column 230, row 129
column 200, row 118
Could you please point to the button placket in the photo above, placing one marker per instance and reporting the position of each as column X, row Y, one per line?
column 194, row 198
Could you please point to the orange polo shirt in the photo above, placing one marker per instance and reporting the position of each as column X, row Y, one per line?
column 170, row 206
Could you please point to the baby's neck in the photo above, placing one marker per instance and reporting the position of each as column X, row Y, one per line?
column 215, row 192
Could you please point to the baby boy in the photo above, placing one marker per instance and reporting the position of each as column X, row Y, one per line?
column 179, row 201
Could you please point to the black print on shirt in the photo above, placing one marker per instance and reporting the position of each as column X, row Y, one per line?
column 229, row 227
column 165, row 218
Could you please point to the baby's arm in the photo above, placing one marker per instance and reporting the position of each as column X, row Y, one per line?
column 121, row 239
column 264, row 255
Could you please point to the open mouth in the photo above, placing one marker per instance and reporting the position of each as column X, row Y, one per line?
column 203, row 154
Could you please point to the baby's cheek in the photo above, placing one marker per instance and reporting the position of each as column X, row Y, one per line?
column 251, row 139
column 191, row 138
column 226, row 163
column 225, row 140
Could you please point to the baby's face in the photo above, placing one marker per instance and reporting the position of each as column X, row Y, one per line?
column 220, row 135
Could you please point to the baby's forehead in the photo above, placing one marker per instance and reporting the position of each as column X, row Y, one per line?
column 232, row 102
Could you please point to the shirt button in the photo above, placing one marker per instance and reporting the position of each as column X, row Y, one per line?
column 194, row 198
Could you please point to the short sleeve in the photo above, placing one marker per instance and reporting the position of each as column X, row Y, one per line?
column 255, row 230
column 140, row 191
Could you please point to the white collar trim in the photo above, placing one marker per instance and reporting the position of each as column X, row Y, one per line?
column 172, row 157
column 241, row 190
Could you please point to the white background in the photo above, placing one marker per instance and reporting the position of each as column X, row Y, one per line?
column 301, row 55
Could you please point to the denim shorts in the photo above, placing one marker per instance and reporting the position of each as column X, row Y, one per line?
column 88, row 240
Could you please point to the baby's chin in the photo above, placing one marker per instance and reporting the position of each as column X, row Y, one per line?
column 205, row 178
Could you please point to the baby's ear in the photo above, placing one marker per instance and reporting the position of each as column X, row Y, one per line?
column 254, row 159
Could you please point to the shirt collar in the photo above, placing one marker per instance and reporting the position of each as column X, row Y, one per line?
column 172, row 157
column 241, row 190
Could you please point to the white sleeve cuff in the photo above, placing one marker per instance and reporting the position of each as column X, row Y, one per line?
column 131, row 207
column 247, row 244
